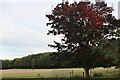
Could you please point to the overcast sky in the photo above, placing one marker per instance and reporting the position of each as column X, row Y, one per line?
column 23, row 26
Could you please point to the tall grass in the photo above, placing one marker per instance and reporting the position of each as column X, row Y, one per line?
column 59, row 73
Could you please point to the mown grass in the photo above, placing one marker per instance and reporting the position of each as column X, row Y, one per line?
column 60, row 79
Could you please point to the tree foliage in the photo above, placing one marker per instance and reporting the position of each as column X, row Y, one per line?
column 83, row 26
column 41, row 61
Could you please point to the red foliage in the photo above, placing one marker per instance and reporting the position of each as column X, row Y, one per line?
column 95, row 16
column 95, row 20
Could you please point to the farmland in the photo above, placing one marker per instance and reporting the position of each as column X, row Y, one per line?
column 57, row 73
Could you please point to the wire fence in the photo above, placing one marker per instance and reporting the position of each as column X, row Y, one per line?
column 63, row 74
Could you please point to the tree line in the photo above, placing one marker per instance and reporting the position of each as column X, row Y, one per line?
column 41, row 60
column 106, row 55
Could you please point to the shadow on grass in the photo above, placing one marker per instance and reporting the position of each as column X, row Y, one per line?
column 60, row 79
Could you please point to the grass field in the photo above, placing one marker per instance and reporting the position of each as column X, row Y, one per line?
column 54, row 73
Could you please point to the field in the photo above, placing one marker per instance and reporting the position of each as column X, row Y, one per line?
column 57, row 73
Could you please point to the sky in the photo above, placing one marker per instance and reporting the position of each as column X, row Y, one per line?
column 23, row 29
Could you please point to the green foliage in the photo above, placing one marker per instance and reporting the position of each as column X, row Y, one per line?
column 7, row 64
column 84, row 32
column 41, row 60
column 82, row 26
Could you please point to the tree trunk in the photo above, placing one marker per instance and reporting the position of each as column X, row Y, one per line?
column 87, row 75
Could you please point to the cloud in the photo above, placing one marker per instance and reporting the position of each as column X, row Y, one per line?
column 22, row 36
column 29, row 0
column 23, row 29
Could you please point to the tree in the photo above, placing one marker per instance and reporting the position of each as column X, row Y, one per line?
column 6, row 64
column 118, row 45
column 83, row 26
column 111, row 49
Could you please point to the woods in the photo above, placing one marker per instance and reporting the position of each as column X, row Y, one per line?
column 41, row 61
column 52, row 60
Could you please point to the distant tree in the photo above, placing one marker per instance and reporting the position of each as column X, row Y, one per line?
column 111, row 49
column 7, row 64
column 83, row 26
column 118, row 45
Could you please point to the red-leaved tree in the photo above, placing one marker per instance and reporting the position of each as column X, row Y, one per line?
column 83, row 25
